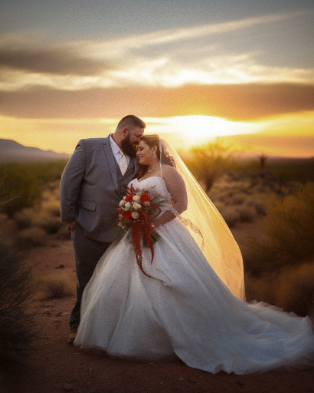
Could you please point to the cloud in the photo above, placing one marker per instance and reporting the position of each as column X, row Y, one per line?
column 234, row 102
column 55, row 60
column 175, row 57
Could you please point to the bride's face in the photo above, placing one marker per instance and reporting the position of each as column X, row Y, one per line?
column 145, row 153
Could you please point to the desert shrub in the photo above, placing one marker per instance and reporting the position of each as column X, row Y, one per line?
column 238, row 199
column 292, row 289
column 16, row 323
column 297, row 170
column 246, row 213
column 48, row 171
column 22, row 184
column 231, row 216
column 23, row 218
column 63, row 232
column 262, row 288
column 54, row 285
column 30, row 237
column 45, row 220
column 258, row 204
column 289, row 233
column 21, row 188
column 296, row 290
column 52, row 225
column 52, row 207
column 207, row 163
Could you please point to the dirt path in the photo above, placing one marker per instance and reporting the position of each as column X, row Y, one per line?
column 52, row 365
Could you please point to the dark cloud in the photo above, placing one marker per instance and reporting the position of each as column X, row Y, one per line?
column 234, row 102
column 60, row 61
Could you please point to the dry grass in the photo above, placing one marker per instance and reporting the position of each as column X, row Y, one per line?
column 30, row 237
column 230, row 215
column 289, row 233
column 246, row 213
column 292, row 289
column 242, row 197
column 37, row 221
column 64, row 233
column 262, row 288
column 17, row 325
column 24, row 217
column 54, row 285
column 296, row 291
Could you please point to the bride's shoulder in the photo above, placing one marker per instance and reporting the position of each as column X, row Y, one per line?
column 168, row 169
column 169, row 173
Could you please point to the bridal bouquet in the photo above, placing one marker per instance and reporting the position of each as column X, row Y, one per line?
column 136, row 210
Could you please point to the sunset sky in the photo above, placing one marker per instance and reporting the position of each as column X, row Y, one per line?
column 192, row 70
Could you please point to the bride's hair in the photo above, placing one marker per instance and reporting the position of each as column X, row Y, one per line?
column 154, row 140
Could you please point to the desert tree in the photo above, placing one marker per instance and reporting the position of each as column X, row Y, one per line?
column 208, row 162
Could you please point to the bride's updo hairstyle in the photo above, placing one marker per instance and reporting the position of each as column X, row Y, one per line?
column 154, row 140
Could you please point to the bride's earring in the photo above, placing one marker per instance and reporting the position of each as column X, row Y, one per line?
column 154, row 156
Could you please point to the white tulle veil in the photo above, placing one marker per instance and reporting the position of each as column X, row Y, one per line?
column 208, row 228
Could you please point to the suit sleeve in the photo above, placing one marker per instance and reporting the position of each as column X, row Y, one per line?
column 71, row 181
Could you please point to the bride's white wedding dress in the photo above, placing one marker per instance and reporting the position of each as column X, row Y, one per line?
column 183, row 310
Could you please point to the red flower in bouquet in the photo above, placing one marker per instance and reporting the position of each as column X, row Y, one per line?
column 136, row 210
column 127, row 216
column 129, row 198
column 145, row 196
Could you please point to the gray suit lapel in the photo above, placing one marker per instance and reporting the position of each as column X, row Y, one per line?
column 111, row 162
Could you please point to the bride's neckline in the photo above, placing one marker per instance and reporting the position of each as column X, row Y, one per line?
column 140, row 181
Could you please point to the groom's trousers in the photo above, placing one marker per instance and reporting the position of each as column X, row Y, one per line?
column 87, row 254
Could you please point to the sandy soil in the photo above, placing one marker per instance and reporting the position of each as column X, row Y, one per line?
column 53, row 365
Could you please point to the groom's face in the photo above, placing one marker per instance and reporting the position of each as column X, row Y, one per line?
column 131, row 140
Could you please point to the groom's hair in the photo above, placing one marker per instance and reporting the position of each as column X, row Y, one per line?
column 131, row 121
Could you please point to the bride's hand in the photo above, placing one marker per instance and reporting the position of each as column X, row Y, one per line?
column 155, row 225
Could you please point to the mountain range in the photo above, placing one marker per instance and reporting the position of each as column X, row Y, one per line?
column 14, row 151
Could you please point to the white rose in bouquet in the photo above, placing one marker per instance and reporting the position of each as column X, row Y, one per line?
column 136, row 198
column 135, row 215
column 122, row 203
column 127, row 206
column 136, row 206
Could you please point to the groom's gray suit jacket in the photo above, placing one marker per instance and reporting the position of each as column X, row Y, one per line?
column 92, row 187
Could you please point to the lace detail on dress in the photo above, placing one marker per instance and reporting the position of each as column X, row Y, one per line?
column 194, row 228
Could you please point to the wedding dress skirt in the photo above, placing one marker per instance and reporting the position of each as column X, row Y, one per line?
column 184, row 310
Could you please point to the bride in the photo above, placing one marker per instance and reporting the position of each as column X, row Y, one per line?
column 190, row 302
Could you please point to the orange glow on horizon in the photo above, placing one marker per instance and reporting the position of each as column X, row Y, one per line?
column 290, row 135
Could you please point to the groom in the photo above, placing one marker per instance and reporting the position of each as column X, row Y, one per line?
column 92, row 185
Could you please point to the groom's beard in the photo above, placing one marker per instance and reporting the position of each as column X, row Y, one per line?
column 128, row 148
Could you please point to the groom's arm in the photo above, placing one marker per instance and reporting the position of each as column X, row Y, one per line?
column 71, row 181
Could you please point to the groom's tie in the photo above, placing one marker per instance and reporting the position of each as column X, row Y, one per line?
column 123, row 163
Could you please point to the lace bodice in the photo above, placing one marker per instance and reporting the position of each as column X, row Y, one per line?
column 156, row 186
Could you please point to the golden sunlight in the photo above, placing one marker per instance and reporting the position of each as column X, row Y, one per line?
column 187, row 131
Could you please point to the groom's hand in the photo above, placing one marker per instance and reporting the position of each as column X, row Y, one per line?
column 71, row 225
